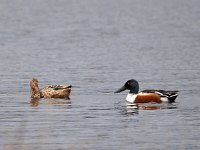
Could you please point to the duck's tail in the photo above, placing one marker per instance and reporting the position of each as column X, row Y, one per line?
column 172, row 95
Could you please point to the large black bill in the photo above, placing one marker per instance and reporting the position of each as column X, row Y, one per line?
column 121, row 89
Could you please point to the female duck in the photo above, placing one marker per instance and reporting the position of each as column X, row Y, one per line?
column 146, row 96
column 51, row 91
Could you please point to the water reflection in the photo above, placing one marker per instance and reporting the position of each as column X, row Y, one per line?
column 134, row 108
column 50, row 101
column 155, row 106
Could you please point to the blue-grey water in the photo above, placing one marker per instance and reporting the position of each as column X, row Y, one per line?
column 96, row 45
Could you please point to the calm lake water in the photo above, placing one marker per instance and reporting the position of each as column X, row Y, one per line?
column 97, row 46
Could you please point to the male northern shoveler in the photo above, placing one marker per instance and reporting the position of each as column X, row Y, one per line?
column 146, row 96
column 51, row 91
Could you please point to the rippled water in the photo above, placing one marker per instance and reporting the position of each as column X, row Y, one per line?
column 96, row 46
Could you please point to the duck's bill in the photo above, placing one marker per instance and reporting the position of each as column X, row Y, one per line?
column 70, row 86
column 123, row 88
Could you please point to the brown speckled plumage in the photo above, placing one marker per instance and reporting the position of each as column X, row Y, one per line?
column 51, row 91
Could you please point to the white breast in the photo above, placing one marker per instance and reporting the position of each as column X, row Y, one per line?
column 131, row 98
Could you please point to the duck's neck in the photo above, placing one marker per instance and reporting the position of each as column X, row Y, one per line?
column 34, row 90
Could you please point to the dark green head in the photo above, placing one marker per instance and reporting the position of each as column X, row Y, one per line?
column 131, row 85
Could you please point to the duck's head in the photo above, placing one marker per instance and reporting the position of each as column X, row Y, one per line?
column 33, row 82
column 131, row 85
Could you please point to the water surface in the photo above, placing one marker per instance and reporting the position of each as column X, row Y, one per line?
column 96, row 46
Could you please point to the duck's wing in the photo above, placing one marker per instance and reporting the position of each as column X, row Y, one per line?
column 56, row 91
column 161, row 92
column 170, row 95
